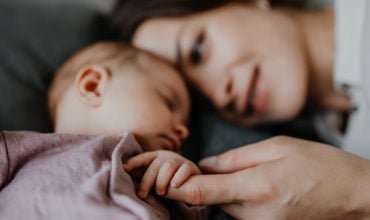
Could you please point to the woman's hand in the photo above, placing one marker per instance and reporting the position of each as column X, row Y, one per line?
column 282, row 178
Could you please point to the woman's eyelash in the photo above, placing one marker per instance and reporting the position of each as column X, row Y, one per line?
column 196, row 52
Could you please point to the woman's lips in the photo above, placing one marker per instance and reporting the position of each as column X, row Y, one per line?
column 256, row 95
column 261, row 97
column 251, row 93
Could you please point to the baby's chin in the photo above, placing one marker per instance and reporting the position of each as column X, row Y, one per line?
column 153, row 144
column 162, row 146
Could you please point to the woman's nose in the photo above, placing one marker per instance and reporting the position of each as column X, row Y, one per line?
column 181, row 130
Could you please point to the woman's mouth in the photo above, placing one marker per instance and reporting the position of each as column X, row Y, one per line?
column 256, row 95
column 252, row 93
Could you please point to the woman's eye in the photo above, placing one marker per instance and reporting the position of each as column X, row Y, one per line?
column 197, row 50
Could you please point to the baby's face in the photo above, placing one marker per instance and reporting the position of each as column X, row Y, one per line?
column 153, row 103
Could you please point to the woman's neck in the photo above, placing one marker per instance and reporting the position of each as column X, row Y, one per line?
column 317, row 28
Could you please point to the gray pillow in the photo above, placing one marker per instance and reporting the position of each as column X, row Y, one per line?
column 36, row 37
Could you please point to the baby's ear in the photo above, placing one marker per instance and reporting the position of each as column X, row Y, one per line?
column 92, row 83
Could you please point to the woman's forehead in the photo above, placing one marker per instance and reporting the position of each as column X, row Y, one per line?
column 159, row 35
column 227, row 9
column 163, row 36
column 169, row 26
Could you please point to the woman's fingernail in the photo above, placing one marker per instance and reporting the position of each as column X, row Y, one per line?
column 208, row 162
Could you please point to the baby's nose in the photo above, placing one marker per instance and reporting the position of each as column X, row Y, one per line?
column 181, row 131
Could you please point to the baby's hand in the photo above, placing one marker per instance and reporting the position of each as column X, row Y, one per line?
column 165, row 169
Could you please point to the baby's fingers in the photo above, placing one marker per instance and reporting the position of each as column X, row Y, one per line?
column 183, row 173
column 149, row 179
column 165, row 175
column 141, row 160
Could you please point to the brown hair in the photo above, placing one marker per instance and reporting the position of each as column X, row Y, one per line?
column 129, row 14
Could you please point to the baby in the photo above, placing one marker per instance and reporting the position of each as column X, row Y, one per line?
column 82, row 170
column 111, row 87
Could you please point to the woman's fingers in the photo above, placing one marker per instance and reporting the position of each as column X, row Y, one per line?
column 244, row 157
column 251, row 184
column 206, row 190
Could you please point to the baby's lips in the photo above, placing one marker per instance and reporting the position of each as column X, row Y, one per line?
column 177, row 145
column 173, row 143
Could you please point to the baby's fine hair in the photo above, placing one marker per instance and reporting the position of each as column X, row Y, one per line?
column 107, row 54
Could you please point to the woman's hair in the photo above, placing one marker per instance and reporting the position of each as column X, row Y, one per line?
column 129, row 14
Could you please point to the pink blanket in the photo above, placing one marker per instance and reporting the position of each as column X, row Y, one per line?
column 56, row 176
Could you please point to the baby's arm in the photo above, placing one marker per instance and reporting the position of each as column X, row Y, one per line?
column 164, row 169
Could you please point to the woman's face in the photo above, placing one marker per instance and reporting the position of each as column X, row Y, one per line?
column 249, row 62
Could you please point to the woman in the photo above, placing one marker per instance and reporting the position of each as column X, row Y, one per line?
column 240, row 66
column 259, row 64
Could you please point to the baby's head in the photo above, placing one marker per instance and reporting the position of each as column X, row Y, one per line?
column 110, row 87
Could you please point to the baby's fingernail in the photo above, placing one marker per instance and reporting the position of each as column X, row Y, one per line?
column 160, row 192
column 208, row 162
column 141, row 194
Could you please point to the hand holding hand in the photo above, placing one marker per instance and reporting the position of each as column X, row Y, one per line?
column 282, row 178
column 164, row 169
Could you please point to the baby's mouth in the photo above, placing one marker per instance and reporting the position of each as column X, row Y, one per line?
column 172, row 143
